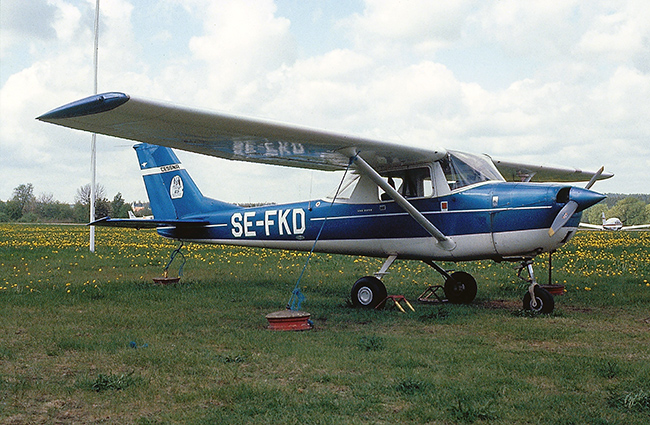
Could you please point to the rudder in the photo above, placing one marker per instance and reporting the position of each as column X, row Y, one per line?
column 172, row 192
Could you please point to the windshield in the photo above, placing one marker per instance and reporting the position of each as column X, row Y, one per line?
column 462, row 169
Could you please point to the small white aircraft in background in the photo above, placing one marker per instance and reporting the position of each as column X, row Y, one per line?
column 613, row 224
column 135, row 217
column 401, row 202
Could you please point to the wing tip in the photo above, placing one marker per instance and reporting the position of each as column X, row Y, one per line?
column 87, row 106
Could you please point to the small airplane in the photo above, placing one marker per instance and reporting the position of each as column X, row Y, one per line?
column 132, row 216
column 396, row 202
column 613, row 224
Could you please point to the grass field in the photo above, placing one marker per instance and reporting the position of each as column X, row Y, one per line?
column 87, row 338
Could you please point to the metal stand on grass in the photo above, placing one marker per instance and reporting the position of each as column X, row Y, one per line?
column 165, row 279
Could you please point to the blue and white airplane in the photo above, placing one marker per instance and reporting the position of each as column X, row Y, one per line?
column 398, row 202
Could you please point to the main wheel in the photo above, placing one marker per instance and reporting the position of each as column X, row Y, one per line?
column 460, row 288
column 368, row 292
column 544, row 302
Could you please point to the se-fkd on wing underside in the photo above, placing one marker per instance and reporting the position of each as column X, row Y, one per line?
column 398, row 201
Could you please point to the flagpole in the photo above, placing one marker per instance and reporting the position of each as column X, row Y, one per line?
column 93, row 143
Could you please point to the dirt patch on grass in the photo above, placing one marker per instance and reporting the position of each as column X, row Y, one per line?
column 52, row 412
column 501, row 305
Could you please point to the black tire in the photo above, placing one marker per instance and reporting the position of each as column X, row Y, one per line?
column 368, row 292
column 545, row 302
column 460, row 288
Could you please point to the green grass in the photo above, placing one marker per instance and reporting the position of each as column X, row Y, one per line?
column 88, row 338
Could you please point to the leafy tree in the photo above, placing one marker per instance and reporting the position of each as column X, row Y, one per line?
column 119, row 208
column 13, row 210
column 4, row 217
column 594, row 214
column 630, row 210
column 102, row 208
column 80, row 212
column 50, row 210
column 24, row 199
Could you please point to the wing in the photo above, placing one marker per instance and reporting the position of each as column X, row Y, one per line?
column 254, row 140
column 591, row 226
column 228, row 136
column 636, row 227
column 515, row 171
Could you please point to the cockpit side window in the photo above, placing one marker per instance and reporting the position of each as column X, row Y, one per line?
column 463, row 169
column 454, row 171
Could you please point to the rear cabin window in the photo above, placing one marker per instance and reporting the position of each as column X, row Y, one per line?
column 411, row 183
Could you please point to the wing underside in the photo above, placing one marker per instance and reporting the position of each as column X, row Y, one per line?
column 227, row 136
column 516, row 171
column 254, row 140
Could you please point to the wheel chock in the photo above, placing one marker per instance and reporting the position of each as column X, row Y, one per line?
column 432, row 291
column 397, row 299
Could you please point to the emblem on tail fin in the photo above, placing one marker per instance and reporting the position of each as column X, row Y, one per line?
column 176, row 188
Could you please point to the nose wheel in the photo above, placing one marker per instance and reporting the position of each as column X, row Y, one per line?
column 536, row 299
column 542, row 303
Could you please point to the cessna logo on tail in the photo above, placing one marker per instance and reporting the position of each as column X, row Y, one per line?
column 176, row 188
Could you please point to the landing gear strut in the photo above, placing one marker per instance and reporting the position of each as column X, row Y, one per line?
column 460, row 287
column 537, row 298
column 369, row 291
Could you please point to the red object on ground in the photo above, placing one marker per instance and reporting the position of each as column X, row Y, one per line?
column 554, row 289
column 289, row 320
column 166, row 280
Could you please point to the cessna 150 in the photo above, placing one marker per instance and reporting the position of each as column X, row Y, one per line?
column 613, row 224
column 399, row 202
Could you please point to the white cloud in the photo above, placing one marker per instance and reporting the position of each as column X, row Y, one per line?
column 419, row 24
column 240, row 44
column 573, row 82
column 533, row 29
column 19, row 19
column 619, row 34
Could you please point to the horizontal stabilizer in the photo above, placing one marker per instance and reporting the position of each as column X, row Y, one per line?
column 142, row 223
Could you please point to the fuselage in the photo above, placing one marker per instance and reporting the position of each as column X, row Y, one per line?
column 496, row 220
column 613, row 223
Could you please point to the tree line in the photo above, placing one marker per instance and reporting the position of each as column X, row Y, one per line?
column 630, row 209
column 25, row 207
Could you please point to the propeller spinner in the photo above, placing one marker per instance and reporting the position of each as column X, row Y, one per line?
column 579, row 200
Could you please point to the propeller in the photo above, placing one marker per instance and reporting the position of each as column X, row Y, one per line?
column 563, row 216
column 570, row 208
column 595, row 177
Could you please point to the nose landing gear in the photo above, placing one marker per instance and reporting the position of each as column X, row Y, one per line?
column 536, row 299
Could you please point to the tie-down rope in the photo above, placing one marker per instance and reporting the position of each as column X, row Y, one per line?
column 298, row 297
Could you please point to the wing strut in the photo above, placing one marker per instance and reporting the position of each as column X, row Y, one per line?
column 445, row 242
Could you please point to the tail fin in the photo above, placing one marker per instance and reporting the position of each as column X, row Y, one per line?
column 172, row 192
column 603, row 218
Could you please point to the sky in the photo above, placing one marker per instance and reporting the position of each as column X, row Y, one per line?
column 561, row 82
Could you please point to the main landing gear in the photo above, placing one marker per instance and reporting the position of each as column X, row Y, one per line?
column 537, row 299
column 459, row 288
column 369, row 291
